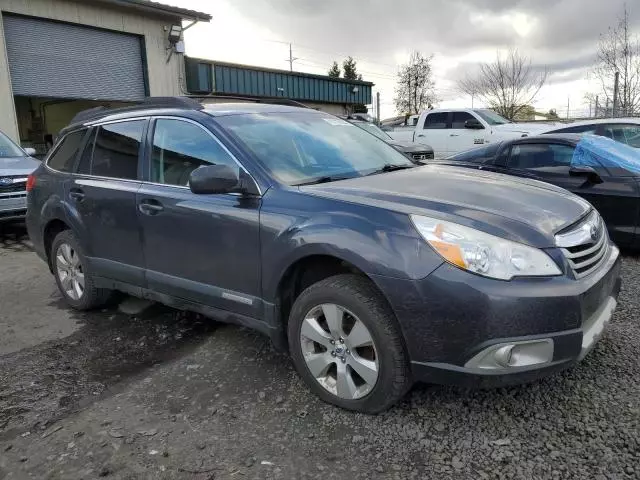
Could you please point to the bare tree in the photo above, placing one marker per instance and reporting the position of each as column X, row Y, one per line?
column 508, row 85
column 619, row 51
column 415, row 88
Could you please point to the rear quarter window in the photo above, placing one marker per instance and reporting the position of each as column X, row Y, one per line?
column 64, row 157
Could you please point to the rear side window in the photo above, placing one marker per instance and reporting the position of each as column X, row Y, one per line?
column 65, row 155
column 116, row 150
column 436, row 120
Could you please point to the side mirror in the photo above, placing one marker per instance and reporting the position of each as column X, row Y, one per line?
column 473, row 124
column 214, row 179
column 585, row 171
column 30, row 151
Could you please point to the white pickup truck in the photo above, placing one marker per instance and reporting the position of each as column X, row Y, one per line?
column 449, row 131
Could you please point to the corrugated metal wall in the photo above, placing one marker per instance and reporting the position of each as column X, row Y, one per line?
column 233, row 80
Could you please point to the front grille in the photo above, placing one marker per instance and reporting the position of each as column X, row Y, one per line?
column 585, row 245
column 422, row 156
column 16, row 184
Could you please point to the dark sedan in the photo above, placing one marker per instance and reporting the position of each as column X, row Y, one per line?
column 604, row 172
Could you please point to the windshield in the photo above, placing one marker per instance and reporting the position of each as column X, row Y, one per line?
column 8, row 148
column 302, row 146
column 491, row 117
column 374, row 130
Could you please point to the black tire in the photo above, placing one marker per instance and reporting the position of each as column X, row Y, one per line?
column 92, row 297
column 360, row 296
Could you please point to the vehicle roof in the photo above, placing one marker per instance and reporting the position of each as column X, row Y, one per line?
column 180, row 106
column 598, row 121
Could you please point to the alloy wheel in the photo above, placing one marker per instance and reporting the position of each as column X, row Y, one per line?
column 339, row 351
column 70, row 272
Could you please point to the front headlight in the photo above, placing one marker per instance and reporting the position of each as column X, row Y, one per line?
column 484, row 254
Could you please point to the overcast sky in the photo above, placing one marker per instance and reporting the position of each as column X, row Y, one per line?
column 559, row 34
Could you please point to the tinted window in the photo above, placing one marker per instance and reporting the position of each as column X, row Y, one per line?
column 436, row 120
column 64, row 157
column 541, row 155
column 478, row 155
column 629, row 134
column 306, row 146
column 115, row 153
column 459, row 118
column 179, row 148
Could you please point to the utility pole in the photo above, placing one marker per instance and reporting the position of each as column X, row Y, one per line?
column 472, row 100
column 589, row 108
column 596, row 112
column 291, row 58
column 567, row 108
column 616, row 94
column 378, row 108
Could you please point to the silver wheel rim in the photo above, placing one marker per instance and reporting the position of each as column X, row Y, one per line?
column 70, row 272
column 339, row 351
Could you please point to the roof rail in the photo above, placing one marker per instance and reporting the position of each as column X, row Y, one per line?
column 191, row 102
column 267, row 100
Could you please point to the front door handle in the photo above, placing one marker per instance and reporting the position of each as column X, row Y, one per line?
column 150, row 207
column 76, row 194
column 454, row 135
column 420, row 135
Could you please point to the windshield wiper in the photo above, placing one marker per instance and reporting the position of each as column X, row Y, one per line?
column 324, row 179
column 391, row 167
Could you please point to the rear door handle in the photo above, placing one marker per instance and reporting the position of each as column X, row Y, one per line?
column 150, row 207
column 454, row 135
column 77, row 194
column 420, row 135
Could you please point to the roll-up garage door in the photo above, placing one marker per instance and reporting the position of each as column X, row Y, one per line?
column 59, row 60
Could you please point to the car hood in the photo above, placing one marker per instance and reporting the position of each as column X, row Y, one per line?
column 17, row 166
column 410, row 147
column 526, row 211
column 528, row 128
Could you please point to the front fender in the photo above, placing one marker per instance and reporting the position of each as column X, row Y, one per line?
column 376, row 241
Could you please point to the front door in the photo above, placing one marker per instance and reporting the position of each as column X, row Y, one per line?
column 102, row 200
column 202, row 248
column 616, row 198
column 435, row 133
column 461, row 138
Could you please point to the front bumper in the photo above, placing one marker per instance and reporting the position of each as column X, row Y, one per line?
column 13, row 206
column 455, row 324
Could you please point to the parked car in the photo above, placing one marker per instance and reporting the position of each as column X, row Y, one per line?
column 449, row 131
column 604, row 172
column 415, row 151
column 625, row 130
column 15, row 166
column 371, row 271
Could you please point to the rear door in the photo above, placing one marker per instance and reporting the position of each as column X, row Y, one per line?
column 202, row 248
column 435, row 133
column 616, row 198
column 102, row 200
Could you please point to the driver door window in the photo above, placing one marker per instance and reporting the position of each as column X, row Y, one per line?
column 541, row 159
column 179, row 147
column 436, row 133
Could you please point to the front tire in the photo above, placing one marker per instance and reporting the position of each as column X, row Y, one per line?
column 73, row 274
column 346, row 344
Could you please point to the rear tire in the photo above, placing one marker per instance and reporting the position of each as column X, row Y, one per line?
column 357, row 362
column 73, row 274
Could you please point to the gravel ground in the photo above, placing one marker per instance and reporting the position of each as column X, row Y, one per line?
column 165, row 395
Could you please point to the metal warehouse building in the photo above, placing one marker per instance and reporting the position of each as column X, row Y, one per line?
column 333, row 95
column 58, row 57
